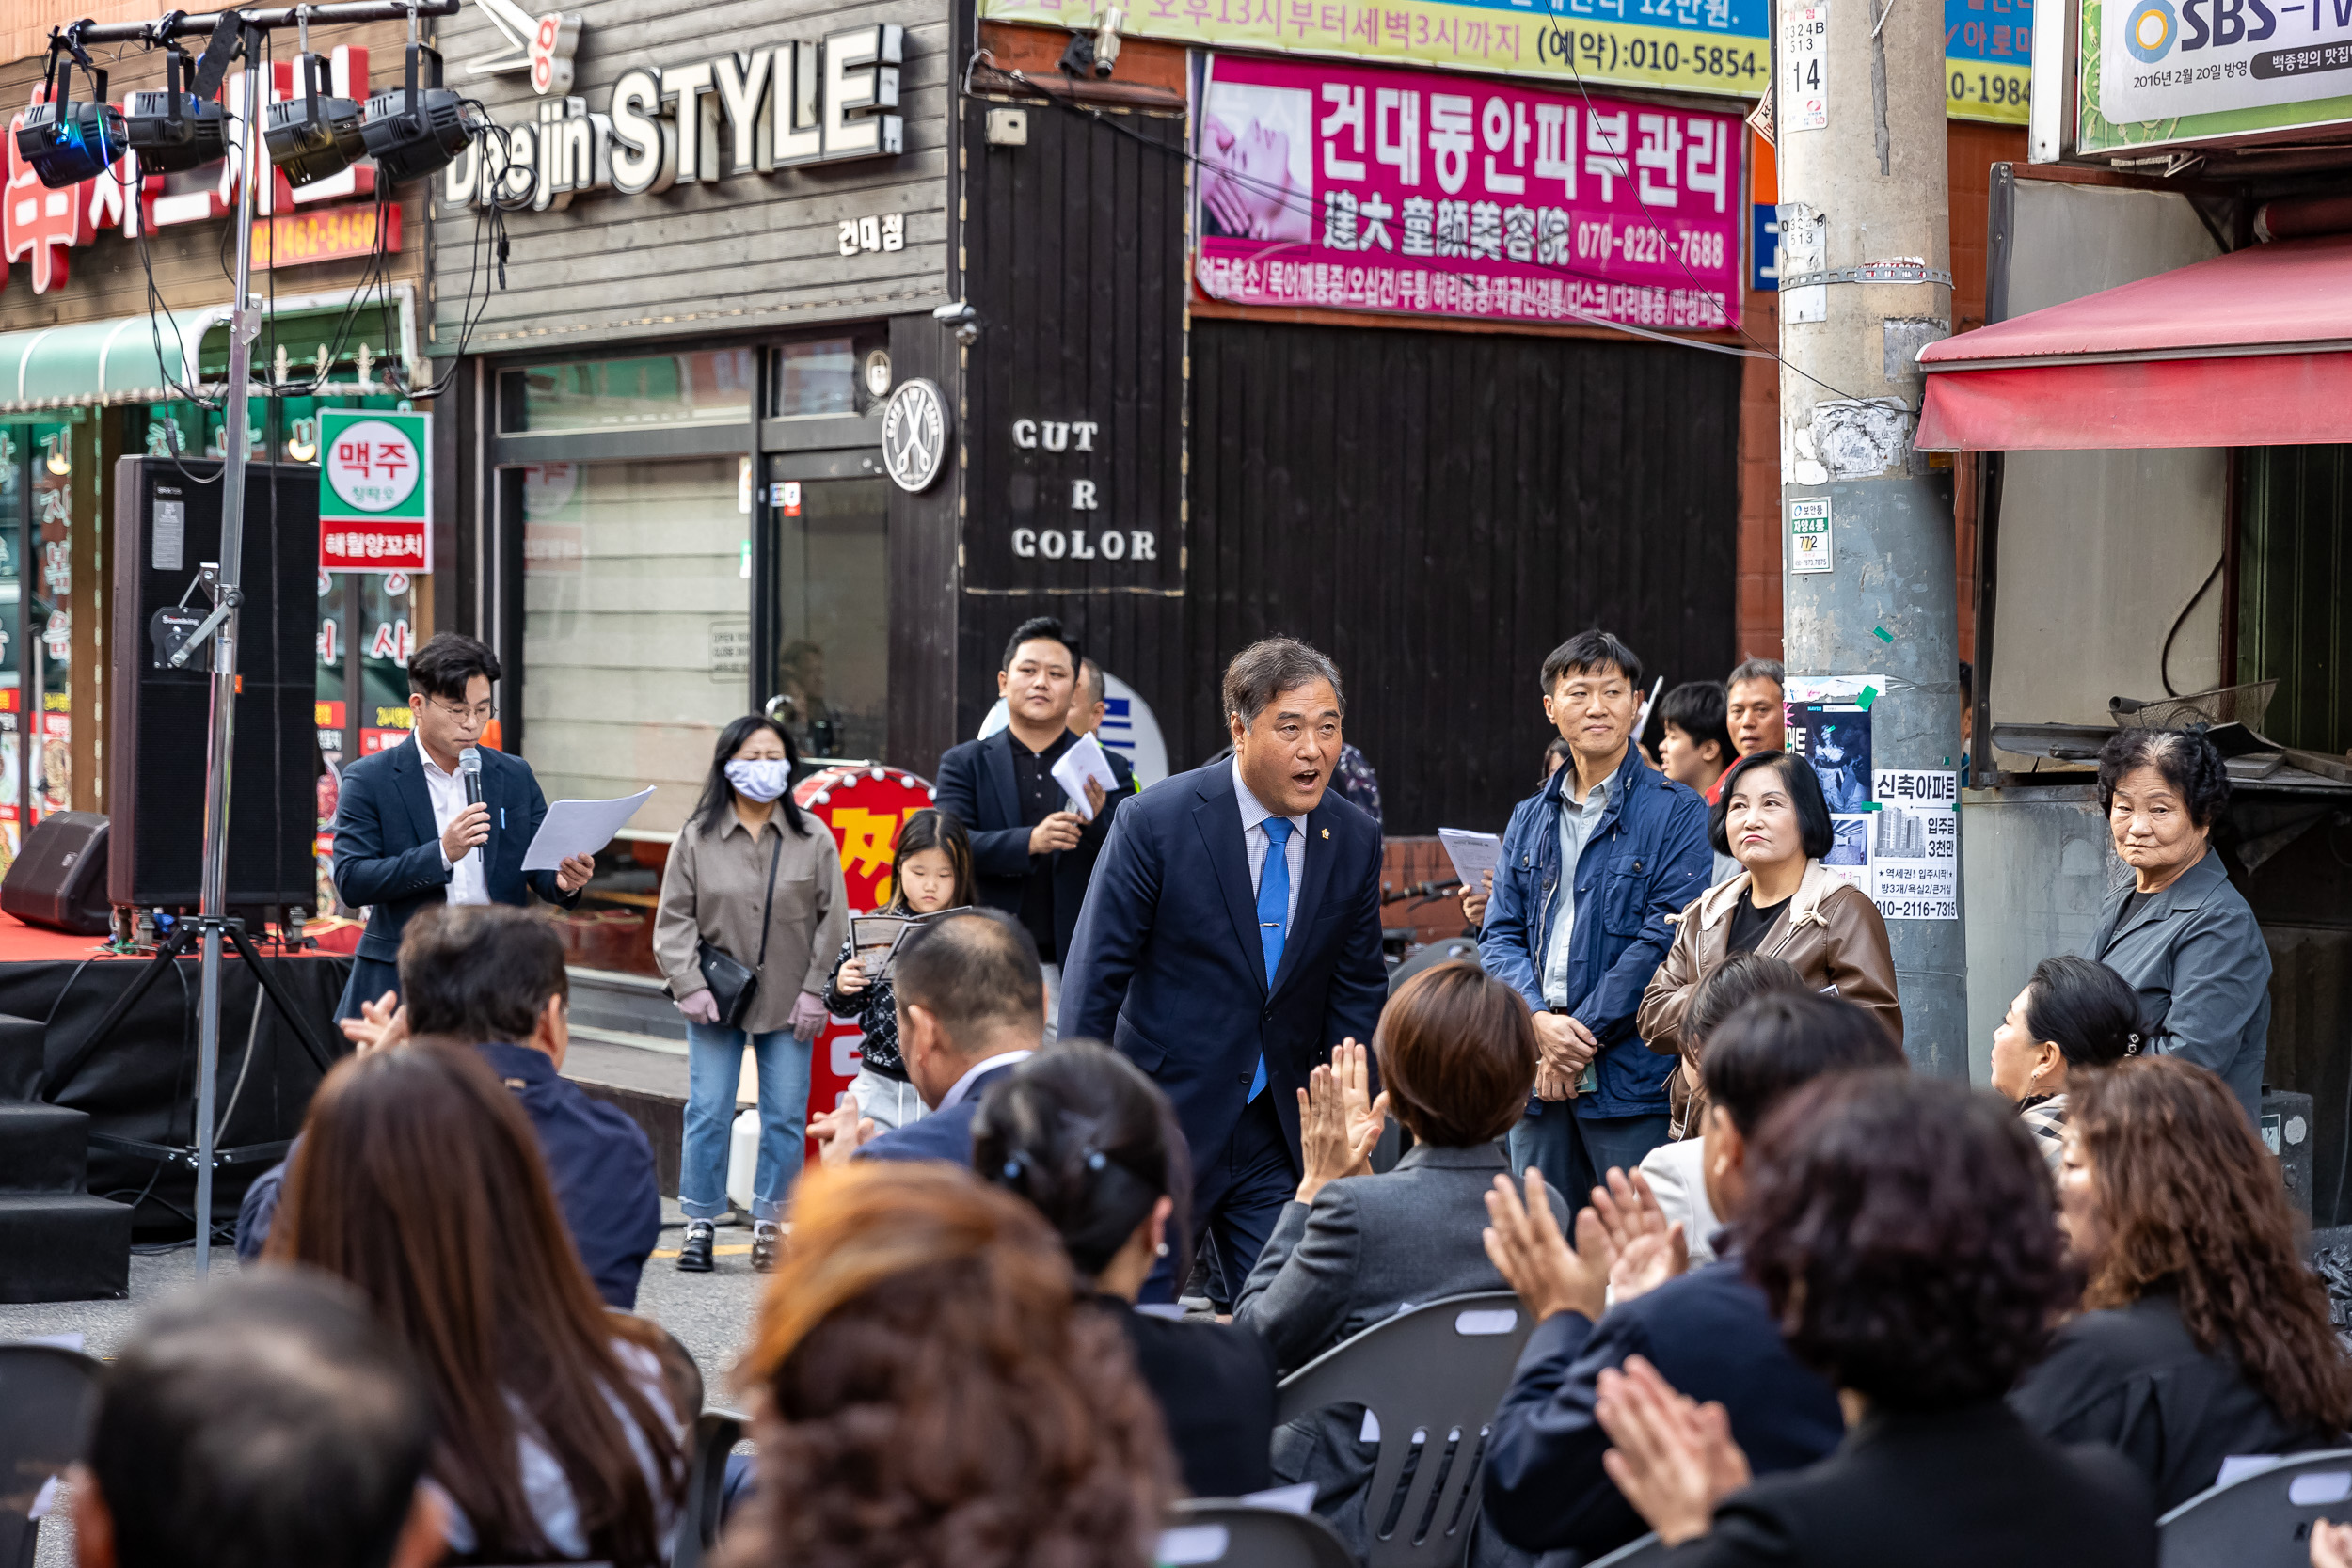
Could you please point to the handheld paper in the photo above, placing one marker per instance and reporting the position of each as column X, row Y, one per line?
column 1080, row 763
column 579, row 828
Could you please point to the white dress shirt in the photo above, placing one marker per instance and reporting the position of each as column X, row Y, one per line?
column 1255, row 838
column 448, row 790
column 987, row 1065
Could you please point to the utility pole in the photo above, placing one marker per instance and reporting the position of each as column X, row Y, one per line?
column 1865, row 282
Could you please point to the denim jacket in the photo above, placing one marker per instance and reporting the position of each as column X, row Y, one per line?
column 1645, row 860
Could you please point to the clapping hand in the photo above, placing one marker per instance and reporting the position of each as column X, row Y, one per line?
column 2332, row 1545
column 381, row 1025
column 1524, row 1244
column 841, row 1132
column 1338, row 1120
column 1646, row 1250
column 1673, row 1458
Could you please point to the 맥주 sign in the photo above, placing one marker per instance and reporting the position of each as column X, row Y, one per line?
column 1411, row 192
column 375, row 507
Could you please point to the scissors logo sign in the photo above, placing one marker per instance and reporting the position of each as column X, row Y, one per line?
column 915, row 433
column 542, row 46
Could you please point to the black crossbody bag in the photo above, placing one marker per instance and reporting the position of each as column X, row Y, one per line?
column 734, row 988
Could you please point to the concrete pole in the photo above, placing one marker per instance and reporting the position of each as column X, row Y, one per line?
column 1865, row 215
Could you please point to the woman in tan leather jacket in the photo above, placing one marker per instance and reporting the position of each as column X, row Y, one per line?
column 1786, row 904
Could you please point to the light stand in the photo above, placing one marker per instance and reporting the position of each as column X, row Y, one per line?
column 244, row 324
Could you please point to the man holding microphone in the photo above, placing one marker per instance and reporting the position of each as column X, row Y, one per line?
column 439, row 821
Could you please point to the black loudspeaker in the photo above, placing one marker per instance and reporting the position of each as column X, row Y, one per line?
column 60, row 878
column 159, row 718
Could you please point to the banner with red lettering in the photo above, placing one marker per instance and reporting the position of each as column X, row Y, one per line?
column 1360, row 188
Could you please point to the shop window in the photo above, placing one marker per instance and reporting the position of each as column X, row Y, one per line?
column 49, row 555
column 654, row 392
column 832, row 598
column 12, row 497
column 2294, row 625
column 818, row 376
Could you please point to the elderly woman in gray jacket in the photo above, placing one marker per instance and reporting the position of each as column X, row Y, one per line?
column 2183, row 937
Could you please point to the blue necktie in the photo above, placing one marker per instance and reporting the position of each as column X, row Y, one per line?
column 1274, row 909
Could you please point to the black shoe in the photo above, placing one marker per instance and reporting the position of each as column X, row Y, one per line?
column 767, row 1237
column 693, row 1254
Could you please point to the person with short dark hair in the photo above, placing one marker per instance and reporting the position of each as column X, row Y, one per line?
column 1231, row 938
column 1755, row 706
column 492, row 978
column 1091, row 700
column 1696, row 747
column 2204, row 1332
column 2074, row 1015
column 1900, row 1230
column 757, row 878
column 1034, row 852
column 1456, row 1056
column 386, row 860
column 264, row 1421
column 931, row 870
column 1593, row 868
column 2184, row 936
column 1786, row 904
column 1083, row 1134
column 1625, row 1292
column 971, row 1009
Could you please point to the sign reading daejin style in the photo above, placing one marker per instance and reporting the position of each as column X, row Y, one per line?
column 740, row 113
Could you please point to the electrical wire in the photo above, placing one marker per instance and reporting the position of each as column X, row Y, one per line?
column 2164, row 661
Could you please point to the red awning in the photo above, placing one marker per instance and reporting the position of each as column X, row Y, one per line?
column 2251, row 349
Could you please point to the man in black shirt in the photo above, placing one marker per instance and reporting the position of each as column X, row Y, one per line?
column 1034, row 855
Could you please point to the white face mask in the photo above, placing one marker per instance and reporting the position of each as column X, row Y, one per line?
column 762, row 779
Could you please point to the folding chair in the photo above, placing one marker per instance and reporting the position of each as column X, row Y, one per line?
column 1634, row 1553
column 715, row 1432
column 1431, row 1377
column 1220, row 1532
column 48, row 1397
column 2262, row 1520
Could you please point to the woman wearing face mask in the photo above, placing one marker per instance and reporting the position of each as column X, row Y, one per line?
column 933, row 868
column 754, row 880
column 1785, row 904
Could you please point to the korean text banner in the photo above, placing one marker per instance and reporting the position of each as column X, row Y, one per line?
column 2157, row 71
column 1718, row 46
column 1355, row 188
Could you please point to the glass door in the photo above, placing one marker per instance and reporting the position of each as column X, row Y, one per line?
column 832, row 678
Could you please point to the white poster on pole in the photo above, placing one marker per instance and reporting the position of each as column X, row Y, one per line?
column 1915, row 843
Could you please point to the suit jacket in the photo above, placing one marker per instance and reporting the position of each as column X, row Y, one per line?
column 2197, row 960
column 2133, row 1378
column 1957, row 1489
column 1166, row 965
column 976, row 781
column 1712, row 1334
column 1214, row 1386
column 387, row 852
column 943, row 1134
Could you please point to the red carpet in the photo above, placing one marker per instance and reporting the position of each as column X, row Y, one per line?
column 23, row 944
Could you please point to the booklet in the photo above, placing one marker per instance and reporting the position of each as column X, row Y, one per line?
column 876, row 939
column 1080, row 763
column 1473, row 854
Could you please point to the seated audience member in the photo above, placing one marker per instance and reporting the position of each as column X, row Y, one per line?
column 1083, row 1134
column 971, row 1008
column 2074, row 1013
column 1456, row 1052
column 929, row 1392
column 2205, row 1335
column 931, row 870
column 418, row 1182
column 492, row 977
column 1900, row 1230
column 1707, row 1330
column 261, row 1421
column 1672, row 1169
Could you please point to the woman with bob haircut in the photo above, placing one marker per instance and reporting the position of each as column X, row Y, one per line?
column 2206, row 1335
column 2178, row 931
column 418, row 1182
column 1785, row 904
column 1900, row 1231
column 930, row 1392
column 2075, row 1015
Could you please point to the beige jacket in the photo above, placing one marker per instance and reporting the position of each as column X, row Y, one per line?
column 713, row 888
column 1830, row 932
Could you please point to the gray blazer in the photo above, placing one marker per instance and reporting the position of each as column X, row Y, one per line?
column 2203, row 971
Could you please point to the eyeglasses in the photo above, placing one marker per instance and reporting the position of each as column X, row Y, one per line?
column 481, row 713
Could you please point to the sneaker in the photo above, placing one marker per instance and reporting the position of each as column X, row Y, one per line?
column 693, row 1254
column 767, row 1236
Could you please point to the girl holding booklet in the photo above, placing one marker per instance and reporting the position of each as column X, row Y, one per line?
column 933, row 866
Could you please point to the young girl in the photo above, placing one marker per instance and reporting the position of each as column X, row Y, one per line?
column 933, row 867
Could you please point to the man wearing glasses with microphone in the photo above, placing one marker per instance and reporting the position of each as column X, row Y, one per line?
column 441, row 820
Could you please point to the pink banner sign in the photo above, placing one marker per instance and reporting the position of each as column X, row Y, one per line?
column 1365, row 189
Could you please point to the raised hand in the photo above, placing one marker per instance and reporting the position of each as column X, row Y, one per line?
column 1333, row 1141
column 1367, row 1118
column 1674, row 1459
column 1524, row 1244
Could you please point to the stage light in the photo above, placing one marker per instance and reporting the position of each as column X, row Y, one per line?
column 67, row 143
column 410, row 131
column 314, row 137
column 172, row 130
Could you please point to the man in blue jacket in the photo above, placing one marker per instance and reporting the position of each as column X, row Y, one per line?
column 1592, row 867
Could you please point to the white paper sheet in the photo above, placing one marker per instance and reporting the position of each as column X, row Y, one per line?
column 1473, row 854
column 579, row 828
column 1080, row 763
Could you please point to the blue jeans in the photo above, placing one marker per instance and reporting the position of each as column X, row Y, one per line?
column 1574, row 1152
column 714, row 1066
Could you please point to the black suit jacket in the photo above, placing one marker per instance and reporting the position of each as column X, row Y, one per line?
column 1167, row 963
column 977, row 783
column 1215, row 1384
column 1959, row 1489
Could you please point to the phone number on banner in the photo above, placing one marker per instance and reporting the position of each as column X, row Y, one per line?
column 1459, row 293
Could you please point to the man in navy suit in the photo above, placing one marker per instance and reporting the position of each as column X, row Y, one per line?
column 1231, row 937
column 971, row 1009
column 1033, row 855
column 405, row 835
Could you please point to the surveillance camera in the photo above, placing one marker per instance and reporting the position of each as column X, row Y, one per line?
column 1106, row 40
column 961, row 319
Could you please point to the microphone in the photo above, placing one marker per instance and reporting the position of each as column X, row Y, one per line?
column 470, row 770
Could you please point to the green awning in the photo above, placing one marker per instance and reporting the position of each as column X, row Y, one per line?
column 101, row 362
